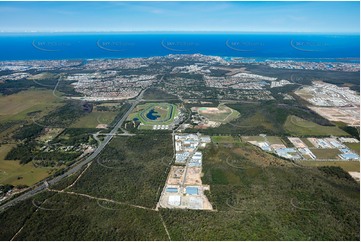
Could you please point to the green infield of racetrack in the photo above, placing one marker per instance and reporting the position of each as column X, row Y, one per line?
column 166, row 111
column 300, row 127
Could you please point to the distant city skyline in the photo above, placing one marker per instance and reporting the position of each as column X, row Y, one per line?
column 277, row 17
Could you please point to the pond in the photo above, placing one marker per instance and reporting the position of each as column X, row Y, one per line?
column 152, row 115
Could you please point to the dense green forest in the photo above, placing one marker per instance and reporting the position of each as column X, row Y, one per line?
column 130, row 169
column 66, row 217
column 260, row 201
column 256, row 196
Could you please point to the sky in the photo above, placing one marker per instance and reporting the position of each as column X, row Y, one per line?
column 320, row 17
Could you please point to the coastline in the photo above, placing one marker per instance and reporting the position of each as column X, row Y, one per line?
column 245, row 60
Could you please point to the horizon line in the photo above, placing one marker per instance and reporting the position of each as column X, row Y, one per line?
column 173, row 31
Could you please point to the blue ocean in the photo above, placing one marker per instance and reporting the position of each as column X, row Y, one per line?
column 316, row 47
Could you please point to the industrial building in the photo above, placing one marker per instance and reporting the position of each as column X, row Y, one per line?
column 308, row 152
column 302, row 151
column 196, row 160
column 184, row 188
column 347, row 154
column 288, row 153
column 174, row 200
column 192, row 190
column 181, row 157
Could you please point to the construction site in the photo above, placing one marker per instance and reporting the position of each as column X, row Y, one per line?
column 338, row 104
column 311, row 148
column 184, row 188
column 211, row 117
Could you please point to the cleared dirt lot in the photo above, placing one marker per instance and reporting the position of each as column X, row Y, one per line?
column 348, row 115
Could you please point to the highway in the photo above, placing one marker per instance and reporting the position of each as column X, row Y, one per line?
column 36, row 189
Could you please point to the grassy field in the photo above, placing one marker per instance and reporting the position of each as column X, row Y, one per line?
column 270, row 139
column 346, row 165
column 49, row 134
column 298, row 126
column 164, row 113
column 274, row 140
column 11, row 171
column 43, row 75
column 354, row 146
column 253, row 138
column 326, row 153
column 18, row 106
column 93, row 119
column 254, row 119
column 304, row 94
column 157, row 94
column 225, row 139
column 224, row 114
column 307, row 142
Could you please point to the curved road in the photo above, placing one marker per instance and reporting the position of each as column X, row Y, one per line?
column 79, row 165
